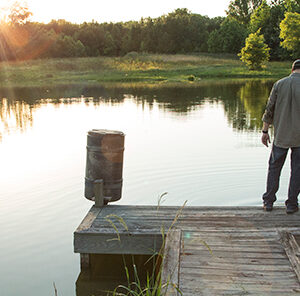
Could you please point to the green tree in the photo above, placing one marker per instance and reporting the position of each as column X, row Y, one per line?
column 110, row 47
column 260, row 17
column 66, row 46
column 92, row 36
column 291, row 5
column 149, row 36
column 214, row 43
column 256, row 52
column 267, row 18
column 117, row 31
column 61, row 26
column 229, row 38
column 290, row 33
column 166, row 44
column 241, row 10
column 134, row 37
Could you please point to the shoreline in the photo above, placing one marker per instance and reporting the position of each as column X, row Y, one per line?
column 147, row 70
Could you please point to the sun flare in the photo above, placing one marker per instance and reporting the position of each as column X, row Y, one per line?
column 112, row 11
column 4, row 5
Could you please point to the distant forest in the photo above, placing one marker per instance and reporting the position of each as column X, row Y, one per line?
column 180, row 31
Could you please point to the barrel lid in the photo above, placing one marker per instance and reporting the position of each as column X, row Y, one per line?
column 98, row 132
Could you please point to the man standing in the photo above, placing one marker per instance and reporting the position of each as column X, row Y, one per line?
column 283, row 111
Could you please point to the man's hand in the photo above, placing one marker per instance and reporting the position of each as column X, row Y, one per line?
column 265, row 139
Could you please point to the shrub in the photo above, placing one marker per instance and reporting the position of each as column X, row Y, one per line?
column 191, row 78
column 255, row 53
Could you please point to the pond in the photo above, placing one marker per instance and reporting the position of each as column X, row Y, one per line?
column 198, row 143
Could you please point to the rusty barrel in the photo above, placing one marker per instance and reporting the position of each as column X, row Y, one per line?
column 104, row 161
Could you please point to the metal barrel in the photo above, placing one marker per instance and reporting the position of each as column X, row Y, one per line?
column 104, row 161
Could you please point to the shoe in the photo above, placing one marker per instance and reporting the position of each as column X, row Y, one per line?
column 290, row 209
column 268, row 207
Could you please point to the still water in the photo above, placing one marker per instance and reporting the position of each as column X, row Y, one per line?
column 200, row 144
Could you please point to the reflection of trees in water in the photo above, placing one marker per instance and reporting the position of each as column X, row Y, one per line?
column 244, row 111
column 184, row 99
column 253, row 96
column 14, row 115
column 243, row 102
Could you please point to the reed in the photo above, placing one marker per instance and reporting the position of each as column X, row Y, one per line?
column 153, row 285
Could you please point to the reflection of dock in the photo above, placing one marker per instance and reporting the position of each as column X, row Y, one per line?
column 213, row 250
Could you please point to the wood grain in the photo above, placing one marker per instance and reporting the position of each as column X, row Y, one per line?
column 170, row 268
column 223, row 250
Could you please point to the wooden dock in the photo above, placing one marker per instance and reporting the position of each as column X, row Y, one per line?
column 208, row 250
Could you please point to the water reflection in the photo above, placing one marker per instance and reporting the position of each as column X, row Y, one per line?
column 253, row 96
column 15, row 115
column 244, row 109
column 243, row 102
column 107, row 272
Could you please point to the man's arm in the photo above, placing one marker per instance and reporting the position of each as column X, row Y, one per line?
column 270, row 108
column 265, row 138
column 269, row 115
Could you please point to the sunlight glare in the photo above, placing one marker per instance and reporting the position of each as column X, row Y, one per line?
column 3, row 10
column 116, row 10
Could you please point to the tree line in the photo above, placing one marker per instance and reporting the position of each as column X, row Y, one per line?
column 180, row 31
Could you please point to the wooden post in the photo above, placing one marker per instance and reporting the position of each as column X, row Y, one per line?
column 98, row 189
column 84, row 261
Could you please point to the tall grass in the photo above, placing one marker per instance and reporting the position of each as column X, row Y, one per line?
column 55, row 290
column 154, row 285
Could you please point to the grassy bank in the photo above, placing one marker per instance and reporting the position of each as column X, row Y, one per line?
column 144, row 68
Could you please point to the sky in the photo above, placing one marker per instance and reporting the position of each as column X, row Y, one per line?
column 78, row 11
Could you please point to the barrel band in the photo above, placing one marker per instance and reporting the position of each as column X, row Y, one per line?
column 115, row 184
column 99, row 149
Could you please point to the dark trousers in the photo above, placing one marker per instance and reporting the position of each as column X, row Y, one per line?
column 276, row 161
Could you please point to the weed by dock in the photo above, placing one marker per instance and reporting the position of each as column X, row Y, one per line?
column 154, row 285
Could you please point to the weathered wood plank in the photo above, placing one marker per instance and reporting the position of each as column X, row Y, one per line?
column 203, row 225
column 228, row 254
column 235, row 289
column 234, row 248
column 196, row 209
column 225, row 250
column 136, row 244
column 239, row 231
column 229, row 266
column 171, row 261
column 247, row 275
column 292, row 250
column 191, row 212
column 203, row 218
column 241, row 260
column 214, row 278
column 237, row 237
column 89, row 219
